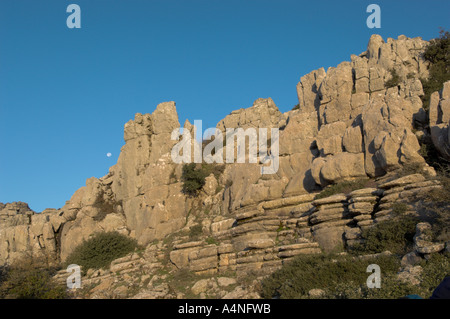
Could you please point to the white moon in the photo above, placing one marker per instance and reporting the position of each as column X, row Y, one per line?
column 109, row 154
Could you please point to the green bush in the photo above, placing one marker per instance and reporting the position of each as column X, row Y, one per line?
column 435, row 269
column 395, row 235
column 98, row 251
column 438, row 54
column 430, row 153
column 394, row 80
column 441, row 195
column 327, row 272
column 399, row 208
column 344, row 277
column 194, row 176
column 195, row 231
column 211, row 241
column 30, row 279
column 343, row 187
column 193, row 179
column 436, row 206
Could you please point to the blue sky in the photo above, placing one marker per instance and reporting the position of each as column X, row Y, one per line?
column 65, row 94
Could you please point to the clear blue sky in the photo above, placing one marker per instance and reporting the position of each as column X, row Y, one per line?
column 65, row 94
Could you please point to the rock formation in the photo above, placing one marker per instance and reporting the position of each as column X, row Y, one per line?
column 352, row 122
column 23, row 231
column 440, row 120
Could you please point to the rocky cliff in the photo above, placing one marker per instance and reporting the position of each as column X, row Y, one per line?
column 356, row 120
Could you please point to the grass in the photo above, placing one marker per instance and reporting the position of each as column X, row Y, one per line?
column 344, row 187
column 436, row 205
column 219, row 188
column 409, row 169
column 211, row 241
column 441, row 195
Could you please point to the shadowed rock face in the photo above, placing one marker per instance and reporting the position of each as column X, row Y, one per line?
column 440, row 120
column 348, row 125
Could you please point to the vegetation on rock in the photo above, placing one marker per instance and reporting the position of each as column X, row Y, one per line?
column 194, row 176
column 327, row 272
column 343, row 187
column 438, row 54
column 30, row 278
column 344, row 277
column 395, row 235
column 394, row 80
column 98, row 251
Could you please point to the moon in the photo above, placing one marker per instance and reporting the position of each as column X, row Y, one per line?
column 108, row 154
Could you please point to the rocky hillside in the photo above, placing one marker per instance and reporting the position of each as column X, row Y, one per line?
column 360, row 124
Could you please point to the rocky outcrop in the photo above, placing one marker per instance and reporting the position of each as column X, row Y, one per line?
column 24, row 233
column 351, row 122
column 138, row 196
column 440, row 120
column 423, row 240
column 264, row 113
column 402, row 190
column 358, row 114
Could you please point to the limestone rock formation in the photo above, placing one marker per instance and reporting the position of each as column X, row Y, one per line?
column 440, row 120
column 24, row 233
column 351, row 123
column 137, row 196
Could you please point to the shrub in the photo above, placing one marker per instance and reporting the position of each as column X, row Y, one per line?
column 211, row 241
column 219, row 188
column 193, row 179
column 394, row 80
column 195, row 231
column 430, row 153
column 296, row 107
column 30, row 279
column 228, row 183
column 435, row 269
column 331, row 273
column 343, row 187
column 442, row 195
column 409, row 169
column 437, row 204
column 99, row 250
column 399, row 208
column 173, row 176
column 391, row 288
column 438, row 54
column 194, row 176
column 395, row 235
column 215, row 169
column 182, row 281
